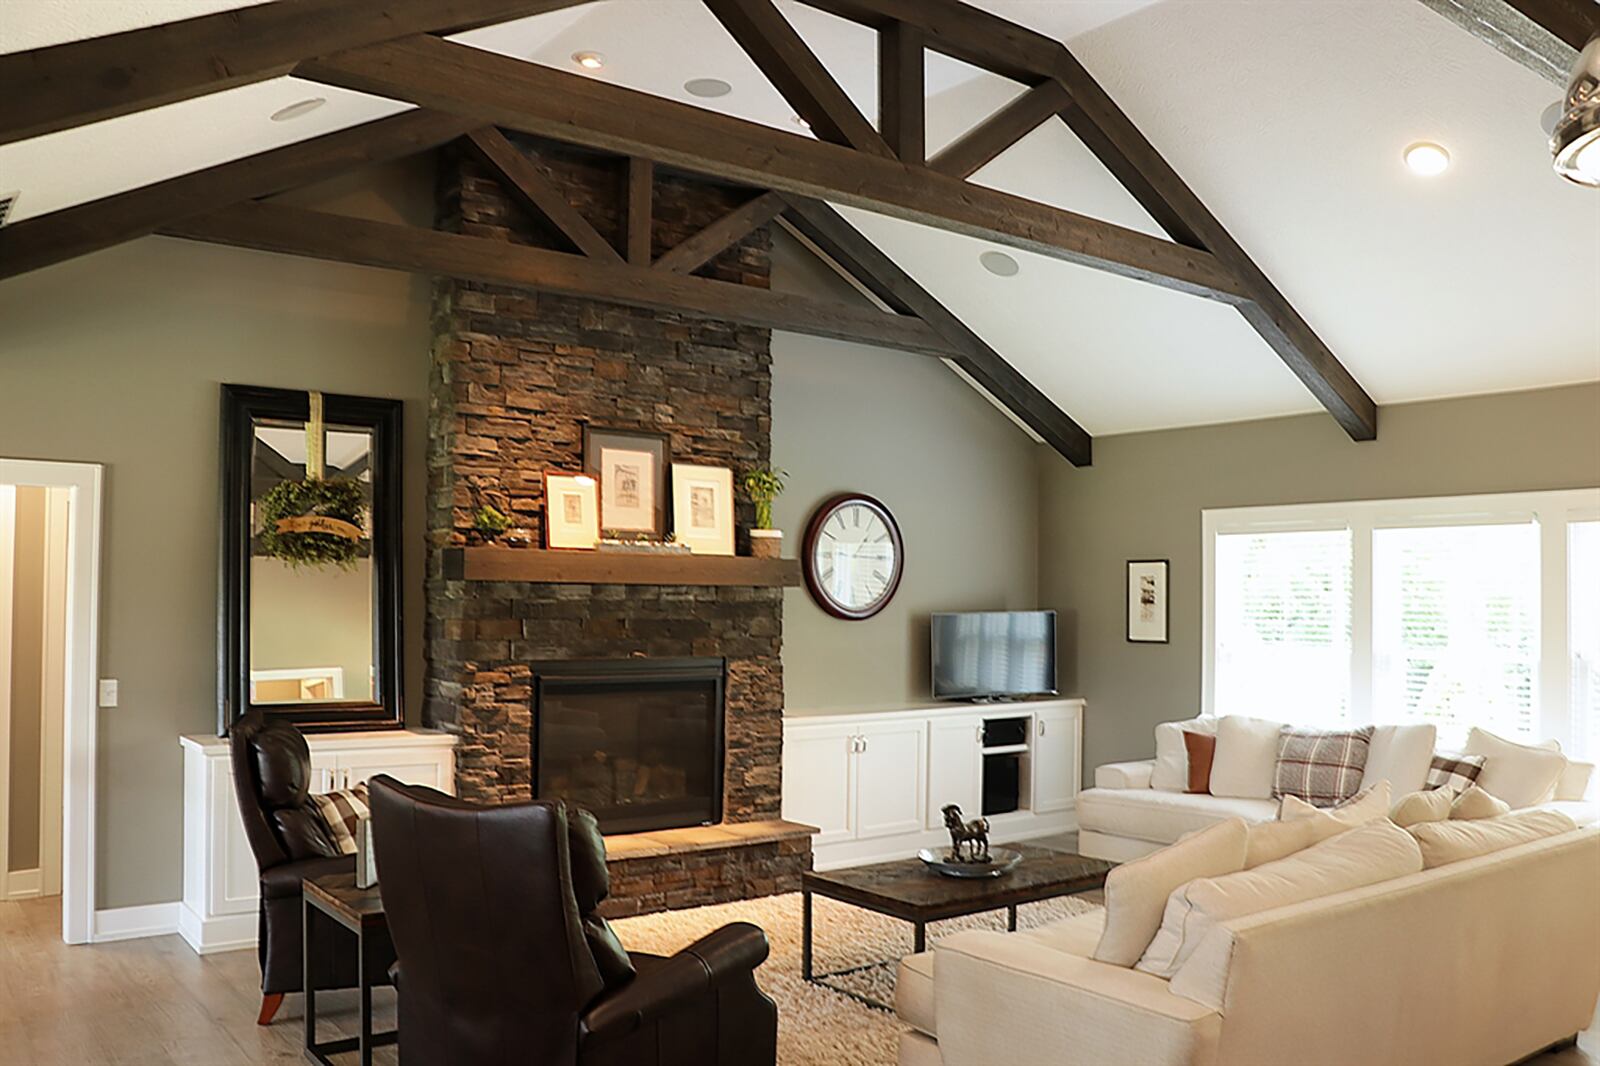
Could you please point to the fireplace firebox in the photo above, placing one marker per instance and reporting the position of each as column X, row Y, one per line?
column 639, row 742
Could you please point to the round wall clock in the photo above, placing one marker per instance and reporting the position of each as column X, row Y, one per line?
column 852, row 556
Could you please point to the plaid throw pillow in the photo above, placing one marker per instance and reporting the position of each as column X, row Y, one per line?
column 341, row 811
column 1455, row 772
column 1324, row 769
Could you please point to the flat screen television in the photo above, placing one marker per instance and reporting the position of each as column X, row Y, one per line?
column 981, row 655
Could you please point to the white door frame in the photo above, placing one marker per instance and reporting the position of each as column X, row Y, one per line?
column 83, row 480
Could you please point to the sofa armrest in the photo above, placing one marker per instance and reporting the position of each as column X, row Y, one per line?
column 1059, row 1009
column 1573, row 783
column 734, row 949
column 1124, row 774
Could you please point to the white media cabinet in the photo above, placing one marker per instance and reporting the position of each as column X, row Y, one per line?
column 220, row 884
column 875, row 782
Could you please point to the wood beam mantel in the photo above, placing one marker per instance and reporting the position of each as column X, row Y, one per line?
column 49, row 89
column 340, row 238
column 551, row 103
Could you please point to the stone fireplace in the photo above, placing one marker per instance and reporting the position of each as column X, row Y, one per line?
column 516, row 376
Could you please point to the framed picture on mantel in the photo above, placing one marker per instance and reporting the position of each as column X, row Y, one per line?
column 1149, row 609
column 631, row 467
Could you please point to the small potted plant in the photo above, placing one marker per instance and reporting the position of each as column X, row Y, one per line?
column 489, row 523
column 763, row 485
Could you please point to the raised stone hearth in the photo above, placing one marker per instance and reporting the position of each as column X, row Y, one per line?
column 516, row 376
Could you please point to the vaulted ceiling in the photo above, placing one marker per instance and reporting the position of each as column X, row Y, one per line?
column 1288, row 119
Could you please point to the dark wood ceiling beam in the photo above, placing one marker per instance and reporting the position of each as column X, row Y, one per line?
column 967, row 154
column 73, row 231
column 795, row 71
column 529, row 187
column 1543, row 35
column 56, row 88
column 639, row 209
column 845, row 245
column 551, row 103
column 1117, row 142
column 902, row 92
column 722, row 234
column 959, row 31
column 339, row 238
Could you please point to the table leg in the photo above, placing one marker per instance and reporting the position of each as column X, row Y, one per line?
column 920, row 938
column 805, row 935
column 308, row 914
column 1011, row 919
column 364, row 979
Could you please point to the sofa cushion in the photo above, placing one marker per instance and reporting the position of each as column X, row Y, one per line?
column 1365, row 807
column 1574, row 782
column 1078, row 935
column 1476, row 803
column 1400, row 755
column 1445, row 842
column 1582, row 812
column 1136, row 892
column 1162, row 817
column 1171, row 771
column 913, row 992
column 1201, row 749
column 1454, row 771
column 1520, row 774
column 1377, row 851
column 1322, row 767
column 1247, row 757
column 1429, row 805
column 1271, row 841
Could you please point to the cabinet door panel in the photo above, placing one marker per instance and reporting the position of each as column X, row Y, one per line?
column 889, row 780
column 408, row 767
column 324, row 772
column 955, row 767
column 817, row 780
column 1055, row 759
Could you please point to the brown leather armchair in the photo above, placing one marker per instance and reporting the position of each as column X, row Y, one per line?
column 503, row 959
column 272, row 780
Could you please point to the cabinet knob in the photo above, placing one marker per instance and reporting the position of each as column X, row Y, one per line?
column 1041, row 727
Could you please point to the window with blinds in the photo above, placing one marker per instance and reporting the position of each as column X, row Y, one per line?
column 1583, row 638
column 1455, row 628
column 1283, row 626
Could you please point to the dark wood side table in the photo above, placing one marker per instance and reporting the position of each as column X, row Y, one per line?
column 909, row 890
column 331, row 902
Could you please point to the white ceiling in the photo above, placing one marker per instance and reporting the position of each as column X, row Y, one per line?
column 1287, row 118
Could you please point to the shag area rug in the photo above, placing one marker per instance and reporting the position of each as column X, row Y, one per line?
column 818, row 1026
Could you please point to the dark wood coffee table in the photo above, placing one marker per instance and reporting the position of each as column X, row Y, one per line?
column 909, row 890
column 333, row 902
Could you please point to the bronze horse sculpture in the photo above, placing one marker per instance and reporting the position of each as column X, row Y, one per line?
column 969, row 841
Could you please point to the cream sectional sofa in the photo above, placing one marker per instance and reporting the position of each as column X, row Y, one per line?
column 1483, row 961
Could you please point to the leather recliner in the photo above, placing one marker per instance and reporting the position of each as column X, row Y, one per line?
column 272, row 780
column 503, row 959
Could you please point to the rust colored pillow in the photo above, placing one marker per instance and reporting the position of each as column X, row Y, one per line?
column 1201, row 747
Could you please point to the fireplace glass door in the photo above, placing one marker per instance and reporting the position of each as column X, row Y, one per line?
column 637, row 741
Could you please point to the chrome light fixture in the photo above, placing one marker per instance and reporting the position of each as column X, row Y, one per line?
column 1575, row 141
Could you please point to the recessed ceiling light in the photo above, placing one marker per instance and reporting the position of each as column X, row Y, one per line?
column 298, row 108
column 589, row 60
column 1427, row 159
column 707, row 87
column 999, row 264
column 798, row 121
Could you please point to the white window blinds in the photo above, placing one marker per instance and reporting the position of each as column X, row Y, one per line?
column 1583, row 630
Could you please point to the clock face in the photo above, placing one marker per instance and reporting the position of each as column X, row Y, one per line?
column 853, row 556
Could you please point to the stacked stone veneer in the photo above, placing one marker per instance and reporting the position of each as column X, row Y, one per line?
column 515, row 377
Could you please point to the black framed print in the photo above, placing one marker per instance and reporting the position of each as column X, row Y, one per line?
column 631, row 467
column 1149, row 606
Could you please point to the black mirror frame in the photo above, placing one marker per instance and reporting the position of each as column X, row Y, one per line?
column 242, row 407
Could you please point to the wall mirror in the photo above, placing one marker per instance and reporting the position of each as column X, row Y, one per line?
column 309, row 603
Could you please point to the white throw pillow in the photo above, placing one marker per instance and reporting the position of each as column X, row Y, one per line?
column 1271, row 841
column 1367, row 807
column 1400, row 755
column 1445, row 842
column 1377, row 851
column 1171, row 771
column 1574, row 783
column 1475, row 803
column 1428, row 805
column 1136, row 892
column 1246, row 762
column 1517, row 773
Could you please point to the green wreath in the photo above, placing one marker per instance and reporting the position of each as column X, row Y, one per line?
column 339, row 499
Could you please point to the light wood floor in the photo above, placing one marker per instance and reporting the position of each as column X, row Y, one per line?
column 153, row 1002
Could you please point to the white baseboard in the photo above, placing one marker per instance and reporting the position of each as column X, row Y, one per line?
column 207, row 936
column 20, row 884
column 131, row 923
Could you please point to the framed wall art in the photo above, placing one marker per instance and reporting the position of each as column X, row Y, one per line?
column 702, row 508
column 1149, row 608
column 631, row 468
column 571, row 511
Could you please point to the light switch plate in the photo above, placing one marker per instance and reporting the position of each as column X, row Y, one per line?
column 108, row 692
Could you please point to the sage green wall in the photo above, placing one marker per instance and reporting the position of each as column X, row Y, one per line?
column 1143, row 496
column 117, row 358
column 956, row 473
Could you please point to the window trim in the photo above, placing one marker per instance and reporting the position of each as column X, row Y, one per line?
column 1552, row 511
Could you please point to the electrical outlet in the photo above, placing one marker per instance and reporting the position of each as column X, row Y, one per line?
column 108, row 692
